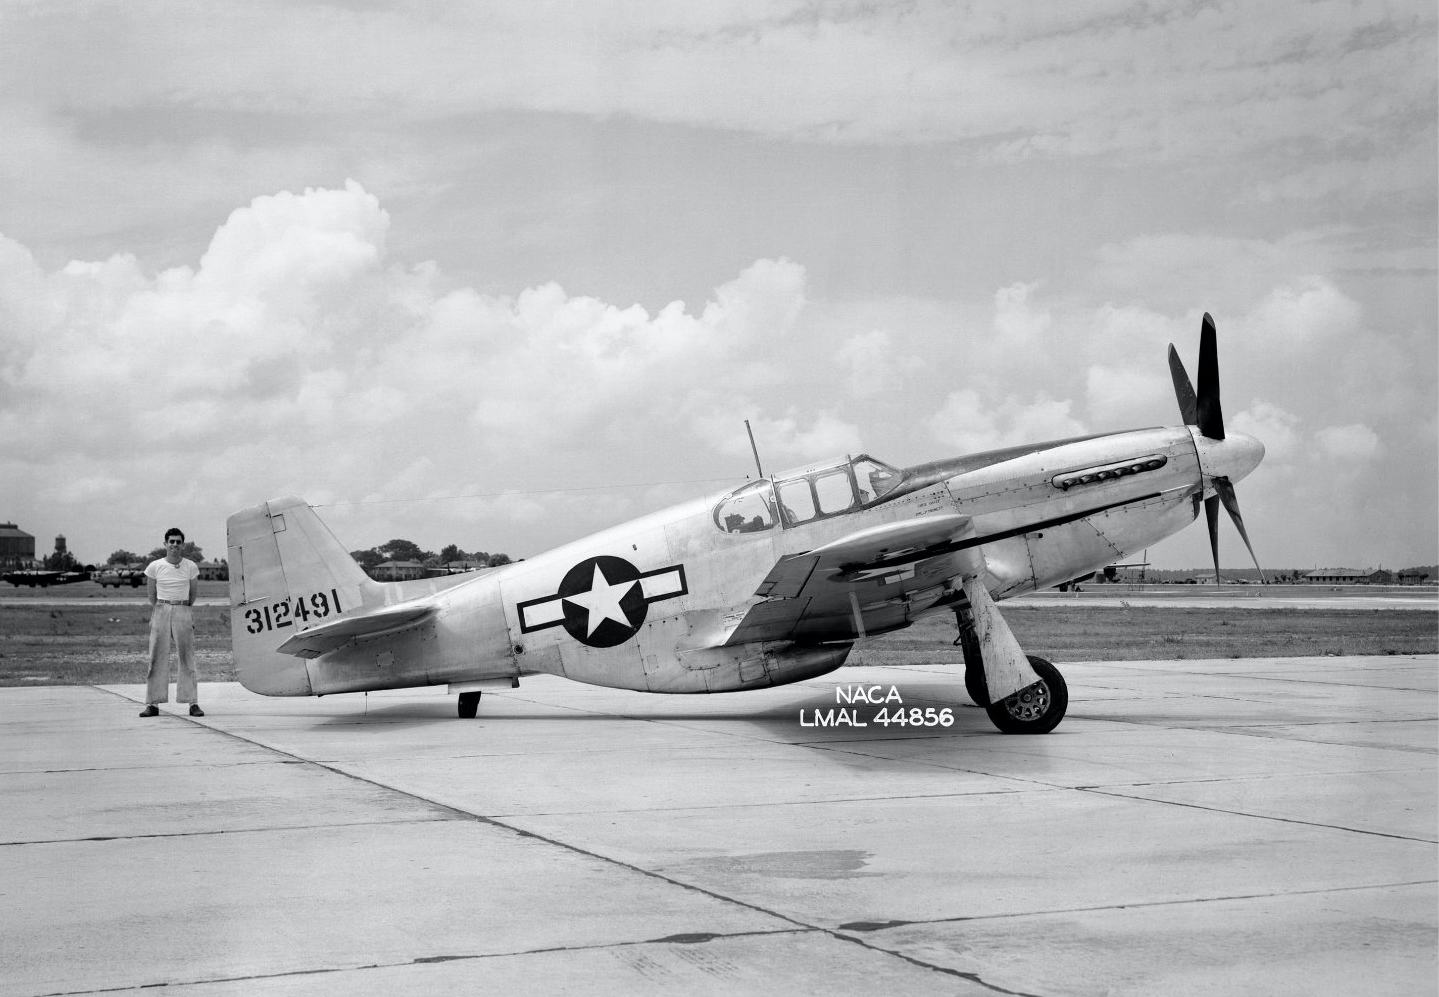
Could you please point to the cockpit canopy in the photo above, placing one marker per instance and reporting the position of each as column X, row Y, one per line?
column 801, row 496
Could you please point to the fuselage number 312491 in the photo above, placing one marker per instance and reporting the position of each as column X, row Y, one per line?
column 288, row 612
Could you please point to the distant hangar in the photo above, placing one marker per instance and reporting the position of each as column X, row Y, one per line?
column 17, row 548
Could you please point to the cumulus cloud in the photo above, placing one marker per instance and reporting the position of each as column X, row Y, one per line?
column 874, row 365
column 828, row 435
column 619, row 370
column 296, row 356
column 1017, row 322
column 1302, row 315
column 968, row 423
column 1122, row 397
column 787, row 438
column 243, row 343
column 1277, row 429
column 1205, row 271
column 1355, row 442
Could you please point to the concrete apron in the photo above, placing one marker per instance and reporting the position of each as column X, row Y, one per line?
column 1263, row 826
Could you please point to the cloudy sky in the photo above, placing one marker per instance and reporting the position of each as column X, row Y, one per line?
column 502, row 274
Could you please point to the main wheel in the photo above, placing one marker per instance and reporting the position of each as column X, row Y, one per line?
column 975, row 685
column 469, row 705
column 1037, row 709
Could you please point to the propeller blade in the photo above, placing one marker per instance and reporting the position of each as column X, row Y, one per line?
column 1225, row 490
column 1183, row 389
column 1211, row 513
column 1211, row 416
column 1202, row 410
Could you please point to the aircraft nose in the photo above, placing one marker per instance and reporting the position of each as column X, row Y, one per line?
column 1232, row 457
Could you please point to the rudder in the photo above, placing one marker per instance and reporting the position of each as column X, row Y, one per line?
column 288, row 572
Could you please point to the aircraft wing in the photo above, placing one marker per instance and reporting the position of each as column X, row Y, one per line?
column 867, row 577
column 877, row 578
column 316, row 641
column 890, row 544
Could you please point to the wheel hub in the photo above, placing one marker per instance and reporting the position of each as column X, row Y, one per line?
column 1030, row 703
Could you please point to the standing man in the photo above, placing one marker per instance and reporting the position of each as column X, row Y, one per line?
column 172, row 583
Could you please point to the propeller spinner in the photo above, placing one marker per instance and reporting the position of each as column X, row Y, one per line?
column 1223, row 459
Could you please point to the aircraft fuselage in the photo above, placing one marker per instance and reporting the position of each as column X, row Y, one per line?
column 648, row 605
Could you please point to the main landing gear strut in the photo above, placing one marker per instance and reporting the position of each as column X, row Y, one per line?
column 1033, row 710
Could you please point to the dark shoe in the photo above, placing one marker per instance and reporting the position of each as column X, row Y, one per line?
column 150, row 711
column 195, row 710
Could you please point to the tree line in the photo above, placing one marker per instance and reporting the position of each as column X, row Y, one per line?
column 191, row 550
column 395, row 550
column 408, row 550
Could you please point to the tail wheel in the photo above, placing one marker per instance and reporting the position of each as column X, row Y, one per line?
column 1037, row 709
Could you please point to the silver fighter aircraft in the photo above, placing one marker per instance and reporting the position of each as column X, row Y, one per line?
column 769, row 583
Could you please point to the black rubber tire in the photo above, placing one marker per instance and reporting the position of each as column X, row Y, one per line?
column 975, row 686
column 469, row 705
column 1011, row 715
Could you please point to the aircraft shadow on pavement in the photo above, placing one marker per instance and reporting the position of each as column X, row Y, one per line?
column 816, row 717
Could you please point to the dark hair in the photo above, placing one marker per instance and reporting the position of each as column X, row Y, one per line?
column 175, row 531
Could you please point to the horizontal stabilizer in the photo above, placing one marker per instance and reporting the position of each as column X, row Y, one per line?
column 316, row 641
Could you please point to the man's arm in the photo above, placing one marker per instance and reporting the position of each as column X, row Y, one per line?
column 150, row 589
column 194, row 590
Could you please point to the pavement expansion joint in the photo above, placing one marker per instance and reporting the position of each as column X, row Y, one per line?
column 1299, row 893
column 875, row 926
column 974, row 978
column 230, row 832
column 695, row 938
column 799, row 926
column 1253, row 816
column 459, row 813
column 765, row 804
column 1264, row 729
column 1111, row 787
column 149, row 768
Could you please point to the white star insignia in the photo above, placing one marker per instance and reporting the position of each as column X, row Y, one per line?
column 602, row 601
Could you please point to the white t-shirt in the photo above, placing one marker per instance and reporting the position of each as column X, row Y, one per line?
column 172, row 581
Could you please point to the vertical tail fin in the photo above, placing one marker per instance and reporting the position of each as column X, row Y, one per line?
column 287, row 572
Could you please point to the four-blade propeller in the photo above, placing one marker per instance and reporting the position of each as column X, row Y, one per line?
column 1203, row 411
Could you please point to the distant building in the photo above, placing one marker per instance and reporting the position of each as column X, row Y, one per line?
column 1348, row 576
column 17, row 548
column 214, row 571
column 398, row 571
column 1413, row 577
column 456, row 567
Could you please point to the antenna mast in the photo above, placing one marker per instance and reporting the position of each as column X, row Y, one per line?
column 753, row 448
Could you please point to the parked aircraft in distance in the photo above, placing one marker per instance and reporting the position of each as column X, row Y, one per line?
column 1110, row 573
column 771, row 582
column 43, row 577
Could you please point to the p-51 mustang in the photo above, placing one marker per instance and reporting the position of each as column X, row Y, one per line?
column 770, row 583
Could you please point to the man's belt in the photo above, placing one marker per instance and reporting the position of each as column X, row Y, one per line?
column 171, row 602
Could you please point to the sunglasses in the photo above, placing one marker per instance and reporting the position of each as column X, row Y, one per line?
column 175, row 543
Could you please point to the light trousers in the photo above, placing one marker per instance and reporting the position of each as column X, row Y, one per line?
column 172, row 625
